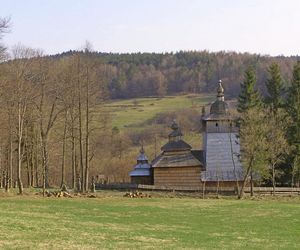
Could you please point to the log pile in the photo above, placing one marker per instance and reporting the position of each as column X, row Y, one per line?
column 58, row 194
column 137, row 194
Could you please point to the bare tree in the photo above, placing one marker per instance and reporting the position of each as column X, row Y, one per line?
column 4, row 28
column 48, row 110
column 19, row 95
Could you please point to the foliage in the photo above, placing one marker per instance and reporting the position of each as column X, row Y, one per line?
column 275, row 89
column 249, row 97
column 146, row 74
column 277, row 147
column 253, row 141
column 293, row 111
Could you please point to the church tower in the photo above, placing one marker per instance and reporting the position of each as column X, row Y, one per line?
column 220, row 143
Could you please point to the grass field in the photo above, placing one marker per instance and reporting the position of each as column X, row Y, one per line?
column 114, row 222
column 135, row 111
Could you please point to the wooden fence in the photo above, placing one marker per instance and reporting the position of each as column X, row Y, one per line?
column 227, row 190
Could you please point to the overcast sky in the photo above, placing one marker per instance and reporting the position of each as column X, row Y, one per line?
column 257, row 26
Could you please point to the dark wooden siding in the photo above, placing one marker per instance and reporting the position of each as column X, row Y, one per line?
column 145, row 180
column 177, row 176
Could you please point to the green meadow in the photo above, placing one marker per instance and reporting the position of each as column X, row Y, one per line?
column 112, row 221
column 132, row 112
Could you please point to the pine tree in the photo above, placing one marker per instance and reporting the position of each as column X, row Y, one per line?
column 249, row 96
column 249, row 103
column 275, row 89
column 293, row 110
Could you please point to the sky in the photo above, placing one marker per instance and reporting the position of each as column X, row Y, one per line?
column 269, row 27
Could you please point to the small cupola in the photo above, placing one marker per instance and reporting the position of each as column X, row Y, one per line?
column 142, row 158
column 142, row 173
column 175, row 142
column 176, row 134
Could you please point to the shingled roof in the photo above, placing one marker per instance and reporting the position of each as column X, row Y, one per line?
column 176, row 159
column 176, row 152
column 176, row 146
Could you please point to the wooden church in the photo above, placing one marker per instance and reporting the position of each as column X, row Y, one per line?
column 179, row 165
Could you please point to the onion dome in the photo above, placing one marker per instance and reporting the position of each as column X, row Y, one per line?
column 176, row 134
column 219, row 107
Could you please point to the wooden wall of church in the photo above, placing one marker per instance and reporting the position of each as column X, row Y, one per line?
column 177, row 176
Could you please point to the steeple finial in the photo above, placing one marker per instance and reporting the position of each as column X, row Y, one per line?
column 142, row 151
column 174, row 125
column 220, row 91
column 142, row 157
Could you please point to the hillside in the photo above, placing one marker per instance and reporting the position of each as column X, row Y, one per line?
column 147, row 120
column 136, row 112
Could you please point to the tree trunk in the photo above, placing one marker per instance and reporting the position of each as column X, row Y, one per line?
column 32, row 167
column 293, row 176
column 7, row 181
column 2, row 172
column 36, row 159
column 273, row 179
column 10, row 160
column 251, row 183
column 73, row 159
column 241, row 195
column 45, row 163
column 27, row 162
column 6, row 184
column 19, row 166
column 87, row 165
column 64, row 152
column 80, row 128
column 233, row 162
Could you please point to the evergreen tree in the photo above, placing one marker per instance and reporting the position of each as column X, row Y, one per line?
column 275, row 89
column 278, row 148
column 249, row 103
column 249, row 97
column 293, row 110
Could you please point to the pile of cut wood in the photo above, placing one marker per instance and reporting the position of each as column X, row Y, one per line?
column 58, row 194
column 136, row 195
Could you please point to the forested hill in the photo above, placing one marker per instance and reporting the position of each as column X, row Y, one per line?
column 146, row 74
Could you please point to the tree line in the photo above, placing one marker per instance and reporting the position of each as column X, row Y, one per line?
column 147, row 74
